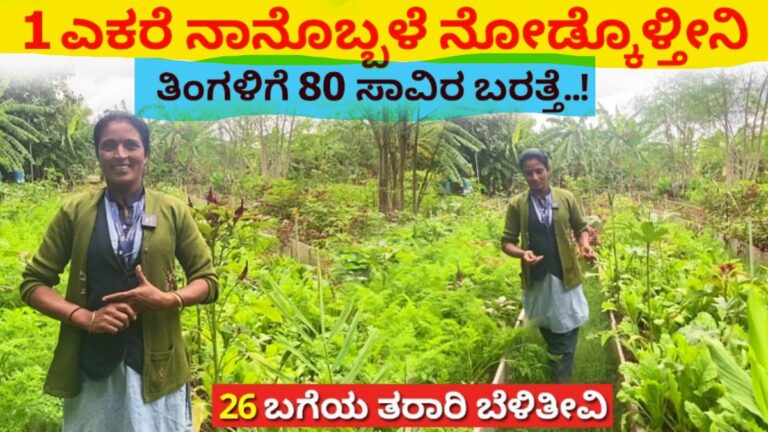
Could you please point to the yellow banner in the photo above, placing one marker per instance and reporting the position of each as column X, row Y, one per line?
column 647, row 34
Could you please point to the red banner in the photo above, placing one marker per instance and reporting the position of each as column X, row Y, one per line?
column 413, row 405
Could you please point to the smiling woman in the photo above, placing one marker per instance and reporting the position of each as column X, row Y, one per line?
column 122, row 154
column 120, row 362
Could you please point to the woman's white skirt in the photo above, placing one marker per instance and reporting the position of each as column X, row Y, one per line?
column 116, row 404
column 548, row 304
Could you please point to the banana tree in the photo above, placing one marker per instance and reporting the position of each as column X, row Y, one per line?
column 16, row 134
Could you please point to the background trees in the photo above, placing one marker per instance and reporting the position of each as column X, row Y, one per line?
column 15, row 132
column 43, row 125
column 695, row 127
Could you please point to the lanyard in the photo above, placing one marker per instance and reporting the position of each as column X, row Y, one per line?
column 125, row 234
column 543, row 210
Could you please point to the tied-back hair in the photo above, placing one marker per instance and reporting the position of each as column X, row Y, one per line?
column 122, row 116
column 534, row 153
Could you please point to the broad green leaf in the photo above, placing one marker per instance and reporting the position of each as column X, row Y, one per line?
column 760, row 384
column 264, row 308
column 605, row 337
column 696, row 416
column 735, row 379
column 205, row 229
column 757, row 318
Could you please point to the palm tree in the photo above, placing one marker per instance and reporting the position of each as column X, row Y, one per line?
column 16, row 134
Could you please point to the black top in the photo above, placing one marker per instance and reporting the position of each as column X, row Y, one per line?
column 106, row 274
column 542, row 241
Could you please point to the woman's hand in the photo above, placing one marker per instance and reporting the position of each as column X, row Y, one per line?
column 145, row 296
column 587, row 252
column 111, row 318
column 531, row 258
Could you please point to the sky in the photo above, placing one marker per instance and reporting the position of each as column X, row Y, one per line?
column 105, row 82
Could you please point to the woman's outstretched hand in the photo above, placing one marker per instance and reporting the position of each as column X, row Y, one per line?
column 531, row 258
column 145, row 296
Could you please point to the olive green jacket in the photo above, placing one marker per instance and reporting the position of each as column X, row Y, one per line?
column 166, row 366
column 568, row 222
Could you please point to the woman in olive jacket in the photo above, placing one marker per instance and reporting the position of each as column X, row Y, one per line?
column 539, row 226
column 120, row 361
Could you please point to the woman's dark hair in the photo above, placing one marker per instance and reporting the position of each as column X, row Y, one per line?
column 534, row 153
column 114, row 116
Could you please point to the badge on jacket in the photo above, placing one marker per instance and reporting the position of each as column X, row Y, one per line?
column 149, row 220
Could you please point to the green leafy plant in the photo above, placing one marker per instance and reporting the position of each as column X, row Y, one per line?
column 749, row 390
column 320, row 350
column 649, row 232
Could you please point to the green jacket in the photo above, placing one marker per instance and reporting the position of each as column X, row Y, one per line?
column 568, row 222
column 166, row 366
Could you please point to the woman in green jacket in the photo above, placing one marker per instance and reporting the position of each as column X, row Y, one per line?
column 120, row 361
column 539, row 227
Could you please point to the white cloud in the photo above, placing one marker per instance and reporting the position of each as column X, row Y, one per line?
column 104, row 82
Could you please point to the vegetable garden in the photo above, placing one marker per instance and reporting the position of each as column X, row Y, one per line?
column 334, row 268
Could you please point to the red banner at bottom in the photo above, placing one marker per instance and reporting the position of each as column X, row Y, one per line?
column 413, row 405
